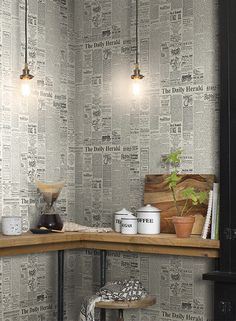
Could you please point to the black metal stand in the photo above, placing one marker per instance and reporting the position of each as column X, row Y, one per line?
column 60, row 284
column 121, row 315
column 225, row 277
column 103, row 256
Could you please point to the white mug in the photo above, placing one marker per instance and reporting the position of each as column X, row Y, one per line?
column 11, row 225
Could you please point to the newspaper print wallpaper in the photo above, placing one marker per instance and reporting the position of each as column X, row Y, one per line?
column 37, row 140
column 121, row 138
column 83, row 125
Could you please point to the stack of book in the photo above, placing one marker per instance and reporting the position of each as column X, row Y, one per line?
column 211, row 226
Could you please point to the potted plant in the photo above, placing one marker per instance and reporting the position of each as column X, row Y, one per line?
column 183, row 224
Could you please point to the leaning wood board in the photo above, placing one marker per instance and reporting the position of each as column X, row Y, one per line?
column 157, row 193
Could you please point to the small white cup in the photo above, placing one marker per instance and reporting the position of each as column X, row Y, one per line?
column 129, row 225
column 11, row 225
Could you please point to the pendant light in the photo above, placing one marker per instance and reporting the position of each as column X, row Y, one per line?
column 136, row 77
column 26, row 76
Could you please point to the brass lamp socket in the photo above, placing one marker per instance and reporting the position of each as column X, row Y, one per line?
column 136, row 74
column 26, row 73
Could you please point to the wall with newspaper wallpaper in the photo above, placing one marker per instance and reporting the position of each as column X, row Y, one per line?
column 120, row 138
column 37, row 140
column 82, row 124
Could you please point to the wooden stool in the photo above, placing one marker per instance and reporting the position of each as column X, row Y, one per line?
column 122, row 305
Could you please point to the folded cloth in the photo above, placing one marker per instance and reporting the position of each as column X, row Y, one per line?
column 88, row 307
column 126, row 290
column 74, row 227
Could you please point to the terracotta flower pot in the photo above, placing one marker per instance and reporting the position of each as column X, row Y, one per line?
column 183, row 225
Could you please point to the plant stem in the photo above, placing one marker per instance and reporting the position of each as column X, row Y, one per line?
column 185, row 204
column 188, row 210
column 176, row 204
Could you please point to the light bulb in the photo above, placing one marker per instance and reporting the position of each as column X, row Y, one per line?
column 136, row 81
column 25, row 87
column 136, row 87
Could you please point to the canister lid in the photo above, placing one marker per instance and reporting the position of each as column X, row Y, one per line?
column 128, row 218
column 124, row 211
column 149, row 208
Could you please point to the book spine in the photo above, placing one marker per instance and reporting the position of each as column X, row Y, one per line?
column 214, row 210
column 217, row 230
column 208, row 216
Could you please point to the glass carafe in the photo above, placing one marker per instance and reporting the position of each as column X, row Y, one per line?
column 50, row 217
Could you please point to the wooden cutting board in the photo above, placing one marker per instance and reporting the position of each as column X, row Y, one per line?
column 157, row 193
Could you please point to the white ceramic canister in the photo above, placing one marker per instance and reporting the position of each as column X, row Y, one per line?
column 129, row 225
column 118, row 216
column 11, row 225
column 148, row 220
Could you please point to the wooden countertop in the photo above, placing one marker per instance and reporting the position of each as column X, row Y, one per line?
column 159, row 244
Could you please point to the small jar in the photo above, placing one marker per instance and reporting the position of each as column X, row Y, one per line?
column 129, row 225
column 118, row 216
column 11, row 225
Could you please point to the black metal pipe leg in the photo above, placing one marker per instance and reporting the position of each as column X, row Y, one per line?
column 121, row 316
column 60, row 284
column 103, row 256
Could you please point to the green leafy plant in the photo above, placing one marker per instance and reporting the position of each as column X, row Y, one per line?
column 191, row 196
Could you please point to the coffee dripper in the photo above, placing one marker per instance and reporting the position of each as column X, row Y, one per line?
column 49, row 217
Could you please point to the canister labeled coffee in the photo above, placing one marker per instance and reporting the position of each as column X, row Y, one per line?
column 148, row 220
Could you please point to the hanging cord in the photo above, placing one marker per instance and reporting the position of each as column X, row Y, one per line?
column 136, row 32
column 26, row 31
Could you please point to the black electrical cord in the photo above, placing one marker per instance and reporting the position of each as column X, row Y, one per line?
column 25, row 72
column 26, row 31
column 136, row 32
column 136, row 75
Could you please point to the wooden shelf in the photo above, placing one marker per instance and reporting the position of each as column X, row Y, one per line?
column 152, row 244
column 126, row 304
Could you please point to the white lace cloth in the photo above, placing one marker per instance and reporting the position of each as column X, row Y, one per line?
column 74, row 227
column 126, row 290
